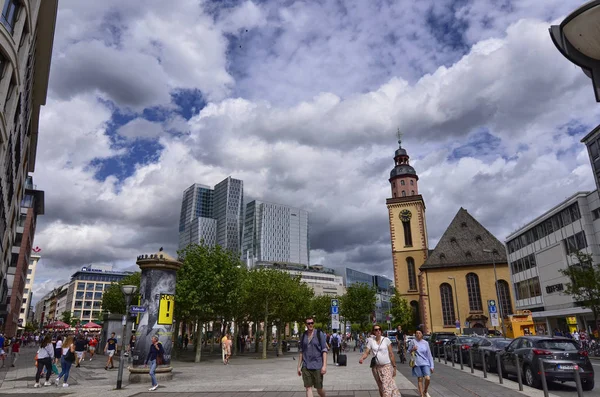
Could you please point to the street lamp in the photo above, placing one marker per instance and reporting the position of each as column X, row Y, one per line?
column 457, row 305
column 499, row 303
column 128, row 291
column 578, row 39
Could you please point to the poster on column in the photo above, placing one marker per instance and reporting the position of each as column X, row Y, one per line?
column 166, row 309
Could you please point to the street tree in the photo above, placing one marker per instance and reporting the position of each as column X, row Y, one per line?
column 113, row 300
column 401, row 312
column 358, row 304
column 321, row 308
column 584, row 284
column 66, row 317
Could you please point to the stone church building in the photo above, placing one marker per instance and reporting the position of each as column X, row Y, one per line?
column 448, row 287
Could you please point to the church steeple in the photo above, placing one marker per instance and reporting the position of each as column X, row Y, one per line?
column 403, row 178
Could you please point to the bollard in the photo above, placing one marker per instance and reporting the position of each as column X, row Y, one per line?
column 452, row 355
column 460, row 355
column 483, row 364
column 499, row 369
column 544, row 382
column 471, row 360
column 519, row 375
column 578, row 381
column 445, row 354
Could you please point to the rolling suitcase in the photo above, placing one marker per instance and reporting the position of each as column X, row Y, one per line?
column 342, row 360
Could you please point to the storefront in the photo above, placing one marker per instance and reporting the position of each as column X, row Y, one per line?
column 564, row 320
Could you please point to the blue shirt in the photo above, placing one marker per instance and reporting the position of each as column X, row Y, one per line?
column 423, row 355
column 312, row 351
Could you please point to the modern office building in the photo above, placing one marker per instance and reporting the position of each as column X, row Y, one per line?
column 384, row 288
column 592, row 141
column 26, row 308
column 212, row 215
column 26, row 39
column 542, row 247
column 321, row 279
column 85, row 290
column 275, row 233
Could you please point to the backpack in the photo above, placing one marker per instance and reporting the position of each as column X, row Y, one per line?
column 319, row 333
column 335, row 340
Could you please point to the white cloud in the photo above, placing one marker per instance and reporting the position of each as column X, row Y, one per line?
column 141, row 128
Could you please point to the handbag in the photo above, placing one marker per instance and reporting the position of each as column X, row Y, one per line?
column 70, row 356
column 373, row 362
column 411, row 362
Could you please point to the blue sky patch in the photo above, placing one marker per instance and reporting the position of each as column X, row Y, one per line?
column 480, row 144
column 140, row 152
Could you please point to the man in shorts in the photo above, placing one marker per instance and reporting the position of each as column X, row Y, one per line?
column 80, row 345
column 92, row 346
column 312, row 363
column 110, row 348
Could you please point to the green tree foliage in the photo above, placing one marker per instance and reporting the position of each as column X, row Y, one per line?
column 321, row 308
column 401, row 312
column 358, row 304
column 113, row 300
column 66, row 317
column 584, row 285
column 208, row 286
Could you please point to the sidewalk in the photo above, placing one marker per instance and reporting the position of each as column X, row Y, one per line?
column 247, row 375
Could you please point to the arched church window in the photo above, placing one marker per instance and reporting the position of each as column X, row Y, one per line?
column 447, row 304
column 412, row 182
column 412, row 192
column 405, row 216
column 474, row 292
column 402, row 182
column 412, row 276
column 403, row 193
column 504, row 295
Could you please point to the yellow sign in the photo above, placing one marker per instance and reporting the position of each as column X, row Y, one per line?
column 166, row 309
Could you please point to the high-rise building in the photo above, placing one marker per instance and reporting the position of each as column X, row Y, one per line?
column 384, row 289
column 26, row 307
column 275, row 233
column 212, row 215
column 26, row 50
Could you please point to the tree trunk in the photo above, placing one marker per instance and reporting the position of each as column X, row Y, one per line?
column 212, row 338
column 279, row 341
column 176, row 343
column 265, row 337
column 199, row 327
column 256, row 337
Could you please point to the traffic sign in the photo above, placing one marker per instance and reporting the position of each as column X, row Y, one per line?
column 335, row 309
column 492, row 308
column 494, row 318
column 334, row 302
column 137, row 309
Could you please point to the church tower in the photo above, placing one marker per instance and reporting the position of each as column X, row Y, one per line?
column 406, row 211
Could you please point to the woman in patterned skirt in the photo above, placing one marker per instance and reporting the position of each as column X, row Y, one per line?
column 383, row 363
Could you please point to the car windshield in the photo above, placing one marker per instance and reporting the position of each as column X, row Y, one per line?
column 467, row 339
column 562, row 345
column 501, row 342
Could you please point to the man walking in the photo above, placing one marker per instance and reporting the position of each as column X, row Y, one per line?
column 80, row 345
column 110, row 348
column 335, row 341
column 156, row 351
column 14, row 350
column 312, row 362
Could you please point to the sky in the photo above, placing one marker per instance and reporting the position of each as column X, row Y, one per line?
column 302, row 100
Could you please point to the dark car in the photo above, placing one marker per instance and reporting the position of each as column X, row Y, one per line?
column 561, row 357
column 490, row 347
column 438, row 341
column 461, row 345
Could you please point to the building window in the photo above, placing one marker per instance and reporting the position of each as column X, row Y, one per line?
column 393, row 186
column 402, row 183
column 10, row 12
column 412, row 277
column 474, row 292
column 407, row 234
column 80, row 286
column 447, row 304
column 403, row 193
column 412, row 192
column 412, row 182
column 504, row 295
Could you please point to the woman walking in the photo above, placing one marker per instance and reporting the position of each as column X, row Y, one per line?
column 67, row 359
column 383, row 363
column 423, row 362
column 45, row 355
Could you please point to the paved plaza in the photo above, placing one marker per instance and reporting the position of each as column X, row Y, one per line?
column 248, row 375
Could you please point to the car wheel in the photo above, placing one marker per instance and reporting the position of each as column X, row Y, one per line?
column 587, row 385
column 531, row 379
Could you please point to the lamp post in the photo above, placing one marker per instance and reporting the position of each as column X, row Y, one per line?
column 499, row 304
column 457, row 305
column 128, row 291
column 578, row 39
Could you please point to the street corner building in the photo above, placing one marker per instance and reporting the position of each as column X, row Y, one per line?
column 449, row 287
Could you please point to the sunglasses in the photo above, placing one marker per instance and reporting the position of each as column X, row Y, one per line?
column 376, row 329
column 310, row 322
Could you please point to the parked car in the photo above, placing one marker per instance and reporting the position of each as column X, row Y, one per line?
column 391, row 334
column 438, row 341
column 490, row 348
column 561, row 356
column 461, row 345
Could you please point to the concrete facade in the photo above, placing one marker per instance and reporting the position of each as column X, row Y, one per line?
column 26, row 307
column 542, row 247
column 26, row 39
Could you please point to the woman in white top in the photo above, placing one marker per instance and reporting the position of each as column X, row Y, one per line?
column 383, row 363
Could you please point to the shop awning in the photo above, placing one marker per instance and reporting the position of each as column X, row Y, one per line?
column 571, row 311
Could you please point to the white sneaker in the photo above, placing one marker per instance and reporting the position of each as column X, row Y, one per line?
column 427, row 394
column 36, row 385
column 47, row 383
column 56, row 381
column 153, row 387
column 65, row 385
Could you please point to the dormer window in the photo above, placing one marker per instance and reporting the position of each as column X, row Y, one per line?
column 478, row 238
column 442, row 256
column 453, row 240
column 463, row 224
column 468, row 254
